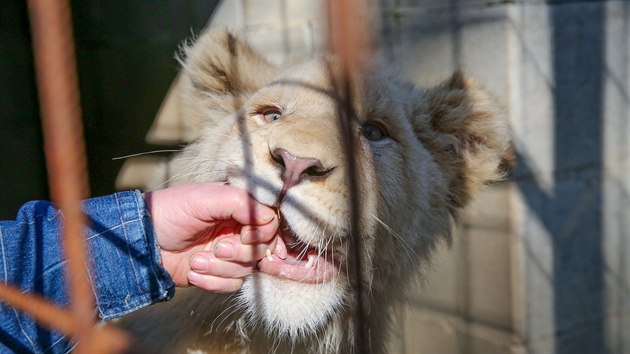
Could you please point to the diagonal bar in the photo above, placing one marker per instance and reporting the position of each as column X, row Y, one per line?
column 108, row 339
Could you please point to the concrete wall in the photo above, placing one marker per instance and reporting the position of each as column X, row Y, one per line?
column 556, row 279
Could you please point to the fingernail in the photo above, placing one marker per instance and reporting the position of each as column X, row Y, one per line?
column 250, row 236
column 267, row 216
column 193, row 277
column 224, row 250
column 199, row 263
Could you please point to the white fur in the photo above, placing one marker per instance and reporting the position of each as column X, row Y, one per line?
column 287, row 310
column 441, row 146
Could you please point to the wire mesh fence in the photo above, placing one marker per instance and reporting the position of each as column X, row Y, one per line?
column 495, row 292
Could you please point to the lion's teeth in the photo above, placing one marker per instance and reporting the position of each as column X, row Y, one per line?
column 269, row 255
column 309, row 263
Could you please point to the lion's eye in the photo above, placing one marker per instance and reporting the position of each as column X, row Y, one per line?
column 372, row 131
column 271, row 115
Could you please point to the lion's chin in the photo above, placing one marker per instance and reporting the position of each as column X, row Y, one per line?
column 289, row 307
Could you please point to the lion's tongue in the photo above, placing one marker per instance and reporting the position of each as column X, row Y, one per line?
column 307, row 267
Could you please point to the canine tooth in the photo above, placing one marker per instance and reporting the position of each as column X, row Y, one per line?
column 309, row 263
column 269, row 255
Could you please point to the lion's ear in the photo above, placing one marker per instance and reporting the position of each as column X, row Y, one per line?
column 219, row 72
column 467, row 132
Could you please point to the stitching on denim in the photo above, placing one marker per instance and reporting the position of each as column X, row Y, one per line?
column 132, row 299
column 71, row 348
column 140, row 200
column 57, row 213
column 6, row 279
column 115, row 311
column 61, row 264
column 91, row 278
column 4, row 258
column 133, row 266
column 17, row 317
column 55, row 343
column 35, row 216
column 124, row 223
column 92, row 282
column 150, row 247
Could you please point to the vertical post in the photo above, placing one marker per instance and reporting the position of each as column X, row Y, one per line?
column 57, row 83
column 348, row 41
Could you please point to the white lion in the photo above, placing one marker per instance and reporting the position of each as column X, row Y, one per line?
column 419, row 156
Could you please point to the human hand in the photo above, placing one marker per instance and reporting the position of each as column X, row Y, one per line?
column 211, row 235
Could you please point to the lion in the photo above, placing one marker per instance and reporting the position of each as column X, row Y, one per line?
column 419, row 156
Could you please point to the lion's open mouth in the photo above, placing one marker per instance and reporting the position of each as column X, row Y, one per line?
column 303, row 263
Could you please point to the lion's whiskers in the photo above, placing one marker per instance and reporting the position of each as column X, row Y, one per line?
column 177, row 175
column 232, row 308
column 404, row 244
column 145, row 153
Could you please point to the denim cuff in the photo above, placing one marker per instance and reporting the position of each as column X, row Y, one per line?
column 125, row 264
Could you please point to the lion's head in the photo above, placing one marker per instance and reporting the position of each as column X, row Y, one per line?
column 418, row 156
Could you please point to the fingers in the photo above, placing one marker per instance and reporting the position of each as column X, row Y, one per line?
column 222, row 268
column 207, row 263
column 213, row 274
column 226, row 202
column 230, row 248
column 259, row 234
column 214, row 283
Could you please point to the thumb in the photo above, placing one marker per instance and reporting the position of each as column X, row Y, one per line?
column 212, row 201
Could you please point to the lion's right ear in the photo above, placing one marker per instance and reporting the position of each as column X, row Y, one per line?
column 219, row 72
column 468, row 134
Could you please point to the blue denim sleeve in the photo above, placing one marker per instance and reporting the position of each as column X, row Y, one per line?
column 123, row 261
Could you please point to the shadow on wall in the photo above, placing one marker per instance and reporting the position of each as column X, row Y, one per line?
column 571, row 212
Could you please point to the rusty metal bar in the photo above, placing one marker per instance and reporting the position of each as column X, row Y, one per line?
column 57, row 82
column 48, row 315
column 42, row 311
column 347, row 41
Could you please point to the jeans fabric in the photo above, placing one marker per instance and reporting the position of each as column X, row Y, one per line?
column 123, row 261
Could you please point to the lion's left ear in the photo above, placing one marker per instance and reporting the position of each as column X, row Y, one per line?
column 219, row 72
column 467, row 132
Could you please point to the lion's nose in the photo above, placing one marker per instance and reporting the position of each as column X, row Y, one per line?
column 294, row 168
